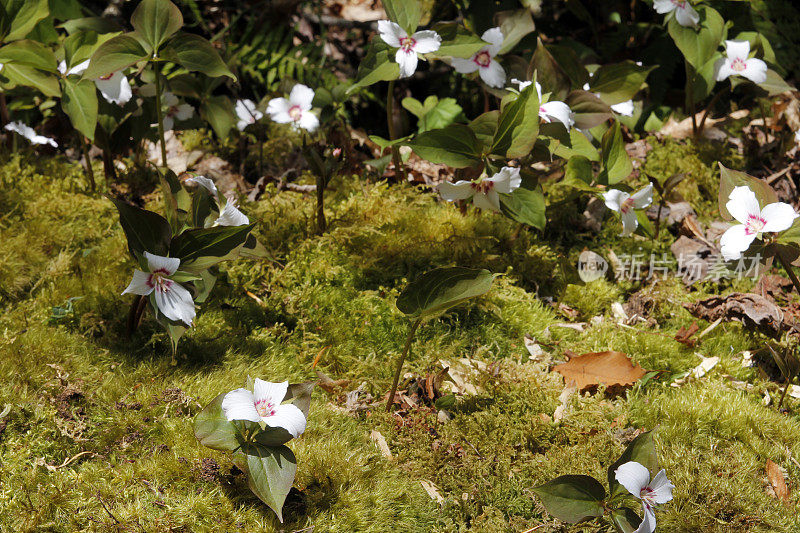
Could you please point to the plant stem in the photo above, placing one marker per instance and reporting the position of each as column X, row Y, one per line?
column 322, row 225
column 788, row 268
column 89, row 170
column 396, row 160
column 160, row 114
column 711, row 106
column 399, row 368
column 658, row 216
column 783, row 395
column 690, row 95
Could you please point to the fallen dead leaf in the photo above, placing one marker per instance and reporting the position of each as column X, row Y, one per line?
column 563, row 399
column 380, row 440
column 461, row 374
column 752, row 310
column 432, row 491
column 609, row 368
column 534, row 350
column 777, row 479
column 684, row 335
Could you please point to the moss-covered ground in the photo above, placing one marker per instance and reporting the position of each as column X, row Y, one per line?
column 97, row 427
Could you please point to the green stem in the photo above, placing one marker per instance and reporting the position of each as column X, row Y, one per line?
column 322, row 224
column 711, row 106
column 89, row 170
column 396, row 160
column 690, row 95
column 160, row 114
column 399, row 368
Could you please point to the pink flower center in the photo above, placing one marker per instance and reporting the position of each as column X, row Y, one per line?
column 158, row 280
column 106, row 77
column 648, row 496
column 680, row 4
column 295, row 112
column 738, row 64
column 483, row 58
column 626, row 205
column 482, row 187
column 755, row 224
column 265, row 408
column 407, row 44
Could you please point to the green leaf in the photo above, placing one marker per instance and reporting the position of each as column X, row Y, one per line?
column 703, row 80
column 572, row 499
column 485, row 126
column 19, row 74
column 376, row 66
column 434, row 113
column 457, row 41
column 579, row 168
column 146, row 231
column 29, row 53
column 196, row 54
column 300, row 395
column 578, row 145
column 455, row 146
column 195, row 244
column 406, row 13
column 625, row 520
column 548, row 72
column 115, row 54
column 81, row 45
column 698, row 44
column 156, row 21
column 774, row 84
column 438, row 290
column 616, row 163
column 514, row 25
column 518, row 125
column 96, row 24
column 202, row 205
column 589, row 109
column 30, row 13
column 270, row 473
column 79, row 102
column 218, row 111
column 641, row 450
column 525, row 206
column 213, row 430
column 619, row 82
column 728, row 179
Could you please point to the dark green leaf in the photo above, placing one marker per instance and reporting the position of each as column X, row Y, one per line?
column 213, row 430
column 202, row 204
column 96, row 24
column 728, row 179
column 625, row 520
column 438, row 290
column 549, row 73
column 698, row 44
column 196, row 54
column 195, row 244
column 19, row 74
column 156, row 21
column 525, row 206
column 146, row 231
column 376, row 66
column 455, row 146
column 406, row 13
column 641, row 450
column 518, row 125
column 514, row 25
column 300, row 395
column 457, row 41
column 616, row 163
column 115, row 54
column 29, row 53
column 218, row 111
column 619, row 82
column 579, row 168
column 589, row 109
column 485, row 126
column 79, row 102
column 572, row 499
column 270, row 473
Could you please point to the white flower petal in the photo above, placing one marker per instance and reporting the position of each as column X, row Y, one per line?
column 407, row 60
column 138, row 284
column 489, row 201
column 168, row 99
column 247, row 113
column 648, row 524
column 204, row 182
column 661, row 487
column 231, row 216
column 663, row 6
column 391, row 32
column 240, row 404
column 755, row 70
column 79, row 69
column 301, row 96
column 778, row 216
column 623, row 108
column 426, row 41
column 633, row 476
column 614, row 199
column 559, row 111
column 176, row 303
column 525, row 84
column 115, row 89
column 743, row 204
column 643, row 198
column 278, row 110
column 30, row 134
column 506, row 180
column 464, row 66
column 737, row 50
column 460, row 190
column 184, row 112
column 723, row 69
column 308, row 121
column 267, row 391
column 494, row 37
column 493, row 75
column 686, row 15
column 289, row 417
column 169, row 123
column 164, row 264
column 629, row 222
column 734, row 241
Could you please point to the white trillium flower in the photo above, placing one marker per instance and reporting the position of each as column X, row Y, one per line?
column 264, row 405
column 490, row 71
column 204, row 182
column 554, row 110
column 115, row 88
column 421, row 42
column 685, row 14
column 737, row 63
column 247, row 113
column 624, row 204
column 231, row 216
column 485, row 193
column 296, row 110
column 744, row 207
column 172, row 299
column 30, row 134
column 635, row 477
column 175, row 110
column 77, row 70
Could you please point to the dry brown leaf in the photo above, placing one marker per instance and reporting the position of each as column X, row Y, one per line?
column 752, row 310
column 777, row 480
column 684, row 335
column 600, row 368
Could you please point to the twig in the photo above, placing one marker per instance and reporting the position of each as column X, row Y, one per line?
column 103, row 503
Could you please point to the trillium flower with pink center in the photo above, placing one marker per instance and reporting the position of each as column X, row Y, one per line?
column 408, row 46
column 263, row 404
column 753, row 221
column 737, row 63
column 685, row 14
column 554, row 110
column 30, row 134
column 175, row 110
column 635, row 477
column 247, row 113
column 296, row 110
column 231, row 216
column 172, row 299
column 484, row 62
column 625, row 204
column 485, row 193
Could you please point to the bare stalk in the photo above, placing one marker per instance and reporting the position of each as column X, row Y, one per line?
column 400, row 361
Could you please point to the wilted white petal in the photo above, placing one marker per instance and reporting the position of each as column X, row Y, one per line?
column 301, row 96
column 157, row 263
column 176, row 303
column 633, row 476
column 493, row 75
column 407, row 61
column 778, row 216
column 139, row 284
column 460, row 190
column 240, row 404
column 661, row 487
column 734, row 241
column 614, row 199
column 743, row 204
column 426, row 41
column 643, row 198
column 231, row 216
column 391, row 33
column 288, row 417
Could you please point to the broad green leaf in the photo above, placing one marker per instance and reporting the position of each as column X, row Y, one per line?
column 204, row 286
column 619, row 82
column 30, row 13
column 376, row 66
column 698, row 44
column 526, row 206
column 588, row 108
column 616, row 163
column 406, row 13
column 485, row 126
column 703, row 80
column 579, row 168
column 567, row 59
column 578, row 145
column 300, row 395
column 29, row 53
column 625, row 520
column 217, row 242
column 434, row 113
column 146, row 231
column 196, row 54
column 774, row 84
column 156, row 21
column 728, row 179
column 455, row 146
column 457, row 41
column 518, row 125
column 549, row 73
column 270, row 473
column 202, row 205
column 79, row 102
column 96, row 24
column 218, row 111
column 791, row 236
column 572, row 499
column 81, row 45
column 19, row 74
column 641, row 450
column 115, row 54
column 213, row 430
column 515, row 25
column 438, row 290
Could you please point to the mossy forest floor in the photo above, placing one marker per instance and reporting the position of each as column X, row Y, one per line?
column 96, row 428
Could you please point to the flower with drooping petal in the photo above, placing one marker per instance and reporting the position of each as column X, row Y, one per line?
column 737, row 63
column 635, row 477
column 175, row 110
column 172, row 299
column 231, row 216
column 624, row 204
column 623, row 108
column 421, row 42
column 264, row 405
column 485, row 193
column 685, row 14
column 296, row 110
column 77, row 70
column 115, row 88
column 490, row 71
column 204, row 182
column 753, row 221
column 554, row 110
column 30, row 134
column 247, row 113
